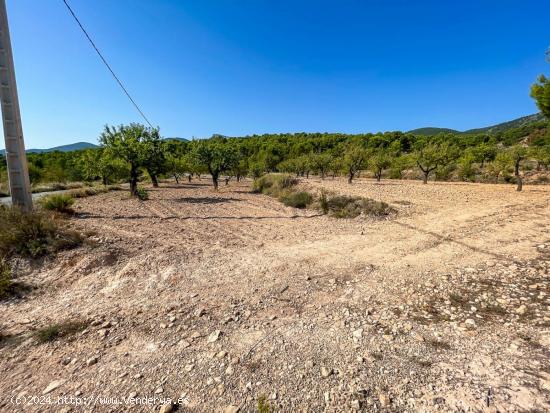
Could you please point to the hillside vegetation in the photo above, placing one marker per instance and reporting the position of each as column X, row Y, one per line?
column 134, row 153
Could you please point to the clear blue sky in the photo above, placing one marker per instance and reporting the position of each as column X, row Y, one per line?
column 199, row 67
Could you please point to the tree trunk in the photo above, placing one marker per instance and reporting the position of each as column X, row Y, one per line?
column 105, row 180
column 154, row 180
column 350, row 177
column 425, row 179
column 189, row 177
column 177, row 179
column 518, row 177
column 307, row 175
column 378, row 176
column 215, row 180
column 133, row 181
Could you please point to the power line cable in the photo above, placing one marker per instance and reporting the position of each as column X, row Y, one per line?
column 105, row 62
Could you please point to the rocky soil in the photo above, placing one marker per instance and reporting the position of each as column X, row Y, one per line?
column 230, row 301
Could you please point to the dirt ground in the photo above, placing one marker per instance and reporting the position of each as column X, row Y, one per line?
column 233, row 302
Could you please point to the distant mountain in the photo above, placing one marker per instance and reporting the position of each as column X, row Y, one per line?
column 176, row 139
column 501, row 127
column 63, row 148
column 431, row 131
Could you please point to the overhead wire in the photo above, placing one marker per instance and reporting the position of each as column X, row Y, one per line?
column 106, row 63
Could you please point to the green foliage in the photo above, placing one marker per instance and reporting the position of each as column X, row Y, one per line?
column 142, row 194
column 5, row 278
column 355, row 159
column 58, row 202
column 32, row 234
column 379, row 160
column 264, row 406
column 297, row 199
column 56, row 331
column 133, row 144
column 540, row 91
column 216, row 155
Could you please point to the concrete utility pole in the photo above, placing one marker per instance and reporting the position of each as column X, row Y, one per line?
column 18, row 172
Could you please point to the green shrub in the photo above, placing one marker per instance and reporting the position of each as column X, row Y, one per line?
column 55, row 331
column 297, row 199
column 58, row 203
column 343, row 206
column 5, row 278
column 142, row 193
column 32, row 234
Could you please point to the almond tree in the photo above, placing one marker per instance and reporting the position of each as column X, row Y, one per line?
column 216, row 155
column 355, row 159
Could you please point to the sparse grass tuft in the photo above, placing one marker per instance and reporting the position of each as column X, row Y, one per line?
column 59, row 203
column 32, row 234
column 55, row 331
column 263, row 405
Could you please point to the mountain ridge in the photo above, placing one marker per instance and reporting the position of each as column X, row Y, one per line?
column 499, row 127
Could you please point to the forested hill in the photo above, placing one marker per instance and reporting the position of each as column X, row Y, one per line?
column 499, row 128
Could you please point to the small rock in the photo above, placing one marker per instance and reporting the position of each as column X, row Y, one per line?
column 53, row 385
column 200, row 312
column 522, row 309
column 358, row 333
column 91, row 361
column 189, row 367
column 214, row 335
column 384, row 399
column 167, row 408
column 470, row 322
column 231, row 409
column 159, row 390
column 325, row 371
column 356, row 405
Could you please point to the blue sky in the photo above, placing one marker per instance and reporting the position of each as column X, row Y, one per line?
column 237, row 67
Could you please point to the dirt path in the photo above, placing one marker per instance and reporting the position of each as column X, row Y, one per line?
column 443, row 307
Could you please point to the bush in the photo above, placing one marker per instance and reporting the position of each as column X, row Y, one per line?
column 342, row 206
column 5, row 278
column 297, row 199
column 58, row 202
column 142, row 193
column 273, row 184
column 32, row 234
column 55, row 331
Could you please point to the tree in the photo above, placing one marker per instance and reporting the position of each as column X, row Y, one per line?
column 542, row 155
column 499, row 165
column 355, row 159
column 540, row 91
column 517, row 154
column 378, row 161
column 216, row 156
column 430, row 156
column 97, row 164
column 129, row 143
column 155, row 159
column 320, row 162
column 176, row 166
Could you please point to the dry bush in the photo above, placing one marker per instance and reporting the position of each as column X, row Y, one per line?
column 274, row 184
column 5, row 278
column 32, row 234
column 55, row 331
column 297, row 199
column 343, row 206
